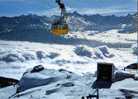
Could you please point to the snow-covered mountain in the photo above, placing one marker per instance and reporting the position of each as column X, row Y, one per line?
column 70, row 60
column 36, row 28
column 102, row 23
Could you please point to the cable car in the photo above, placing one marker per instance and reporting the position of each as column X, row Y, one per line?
column 59, row 26
column 60, row 29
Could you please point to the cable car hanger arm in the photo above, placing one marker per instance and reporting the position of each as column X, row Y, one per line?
column 62, row 7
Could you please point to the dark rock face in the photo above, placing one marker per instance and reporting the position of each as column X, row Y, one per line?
column 4, row 82
column 37, row 68
column 129, row 94
column 132, row 66
column 122, row 75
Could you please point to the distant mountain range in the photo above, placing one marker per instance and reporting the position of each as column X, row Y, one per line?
column 26, row 26
column 102, row 23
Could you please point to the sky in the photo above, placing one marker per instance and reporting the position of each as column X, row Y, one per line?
column 49, row 7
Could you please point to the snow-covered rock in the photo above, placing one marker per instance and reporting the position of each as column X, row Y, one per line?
column 105, row 51
column 12, row 57
column 24, row 56
column 99, row 52
column 121, row 75
column 52, row 55
column 132, row 66
column 83, row 51
column 44, row 77
column 135, row 49
column 29, row 56
column 41, row 55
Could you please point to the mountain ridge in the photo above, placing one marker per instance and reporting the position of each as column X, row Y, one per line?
column 37, row 27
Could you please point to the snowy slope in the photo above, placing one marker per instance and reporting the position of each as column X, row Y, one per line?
column 62, row 84
column 80, row 55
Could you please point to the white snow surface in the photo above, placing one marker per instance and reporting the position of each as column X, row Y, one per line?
column 62, row 84
column 17, row 56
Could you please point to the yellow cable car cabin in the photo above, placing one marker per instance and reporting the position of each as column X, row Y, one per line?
column 59, row 26
column 59, row 29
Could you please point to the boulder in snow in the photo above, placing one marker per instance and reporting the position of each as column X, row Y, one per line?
column 37, row 69
column 83, row 51
column 28, row 56
column 105, row 51
column 13, row 57
column 121, row 75
column 40, row 54
column 98, row 54
column 53, row 55
column 132, row 66
column 41, row 77
column 135, row 49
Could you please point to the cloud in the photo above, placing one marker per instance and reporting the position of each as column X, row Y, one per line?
column 103, row 11
column 88, row 11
